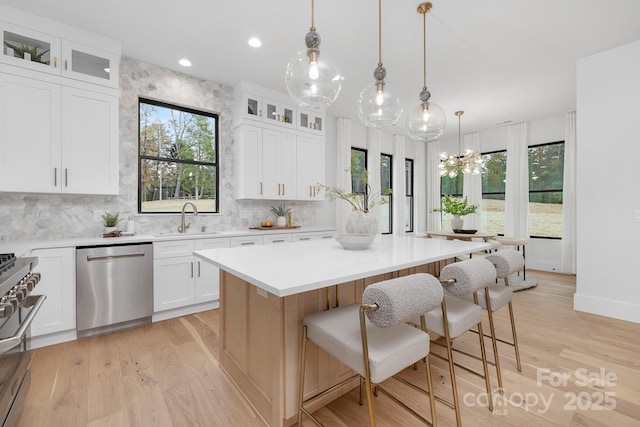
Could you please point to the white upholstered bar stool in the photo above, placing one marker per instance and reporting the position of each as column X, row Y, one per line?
column 457, row 316
column 373, row 339
column 517, row 242
column 506, row 262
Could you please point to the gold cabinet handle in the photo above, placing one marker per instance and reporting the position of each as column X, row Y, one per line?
column 198, row 268
column 279, row 189
column 66, row 177
column 261, row 188
column 283, row 192
column 65, row 65
column 55, row 62
column 260, row 113
column 192, row 269
column 310, row 192
column 55, row 177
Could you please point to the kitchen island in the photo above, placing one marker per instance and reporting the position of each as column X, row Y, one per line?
column 266, row 291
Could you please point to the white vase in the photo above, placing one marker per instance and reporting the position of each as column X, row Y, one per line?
column 281, row 221
column 109, row 229
column 457, row 223
column 360, row 222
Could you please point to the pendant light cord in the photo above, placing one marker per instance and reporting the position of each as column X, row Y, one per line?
column 379, row 33
column 424, row 44
column 313, row 17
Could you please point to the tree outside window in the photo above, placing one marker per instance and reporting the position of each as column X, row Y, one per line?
column 178, row 158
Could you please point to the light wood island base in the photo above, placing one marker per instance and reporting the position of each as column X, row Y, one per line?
column 260, row 341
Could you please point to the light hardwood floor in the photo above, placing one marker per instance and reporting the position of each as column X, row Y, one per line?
column 166, row 374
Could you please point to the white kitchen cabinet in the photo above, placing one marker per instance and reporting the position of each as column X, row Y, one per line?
column 314, row 235
column 310, row 167
column 246, row 241
column 29, row 48
column 265, row 163
column 278, row 165
column 311, row 121
column 264, row 109
column 179, row 278
column 58, row 283
column 277, row 238
column 56, row 138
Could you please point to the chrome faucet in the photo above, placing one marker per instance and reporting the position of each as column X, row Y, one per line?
column 183, row 227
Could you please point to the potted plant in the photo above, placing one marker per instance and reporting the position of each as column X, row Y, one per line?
column 456, row 207
column 360, row 221
column 281, row 213
column 110, row 221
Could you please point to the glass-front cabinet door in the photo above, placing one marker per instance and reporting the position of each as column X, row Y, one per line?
column 88, row 64
column 280, row 113
column 31, row 49
column 252, row 106
column 311, row 122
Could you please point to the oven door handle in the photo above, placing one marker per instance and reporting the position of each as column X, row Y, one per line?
column 34, row 301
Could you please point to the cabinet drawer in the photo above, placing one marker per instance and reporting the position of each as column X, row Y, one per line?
column 246, row 241
column 313, row 236
column 277, row 238
column 212, row 243
column 173, row 248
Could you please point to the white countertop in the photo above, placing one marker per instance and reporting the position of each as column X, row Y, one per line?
column 290, row 268
column 22, row 247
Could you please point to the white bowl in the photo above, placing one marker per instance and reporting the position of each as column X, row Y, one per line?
column 354, row 241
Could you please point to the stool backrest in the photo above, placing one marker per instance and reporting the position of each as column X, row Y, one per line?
column 469, row 275
column 402, row 299
column 506, row 262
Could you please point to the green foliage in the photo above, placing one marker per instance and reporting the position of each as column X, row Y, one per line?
column 280, row 210
column 456, row 206
column 111, row 220
column 364, row 201
column 19, row 51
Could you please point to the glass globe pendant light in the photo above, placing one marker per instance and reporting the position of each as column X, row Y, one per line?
column 312, row 78
column 427, row 121
column 379, row 104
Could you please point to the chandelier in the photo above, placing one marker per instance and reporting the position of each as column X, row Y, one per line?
column 469, row 162
column 427, row 121
column 313, row 79
column 379, row 104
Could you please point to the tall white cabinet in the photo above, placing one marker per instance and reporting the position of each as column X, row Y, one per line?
column 279, row 148
column 59, row 107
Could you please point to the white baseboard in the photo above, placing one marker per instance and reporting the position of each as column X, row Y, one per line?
column 55, row 338
column 183, row 311
column 606, row 307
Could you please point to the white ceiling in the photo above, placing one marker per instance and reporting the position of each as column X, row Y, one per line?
column 497, row 60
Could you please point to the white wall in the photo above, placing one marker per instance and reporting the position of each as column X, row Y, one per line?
column 608, row 194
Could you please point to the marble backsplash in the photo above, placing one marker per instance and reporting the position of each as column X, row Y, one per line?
column 55, row 216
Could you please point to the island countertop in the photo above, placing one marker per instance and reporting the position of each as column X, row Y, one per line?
column 285, row 269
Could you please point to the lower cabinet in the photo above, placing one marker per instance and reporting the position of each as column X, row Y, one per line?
column 181, row 279
column 58, row 283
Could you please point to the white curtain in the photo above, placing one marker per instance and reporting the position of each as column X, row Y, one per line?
column 399, row 188
column 568, row 245
column 516, row 215
column 374, row 138
column 434, row 220
column 343, row 163
column 420, row 193
column 472, row 184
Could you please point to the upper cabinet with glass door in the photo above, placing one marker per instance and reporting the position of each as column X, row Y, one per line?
column 311, row 121
column 268, row 107
column 27, row 48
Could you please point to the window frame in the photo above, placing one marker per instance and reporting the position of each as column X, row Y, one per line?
column 561, row 190
column 143, row 157
column 409, row 193
column 388, row 192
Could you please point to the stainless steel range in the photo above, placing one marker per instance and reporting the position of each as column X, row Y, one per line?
column 17, row 310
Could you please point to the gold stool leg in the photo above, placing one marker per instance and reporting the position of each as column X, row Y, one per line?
column 493, row 340
column 432, row 400
column 454, row 385
column 515, row 337
column 484, row 358
column 303, row 349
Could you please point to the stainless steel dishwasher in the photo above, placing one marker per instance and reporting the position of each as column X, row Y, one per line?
column 114, row 287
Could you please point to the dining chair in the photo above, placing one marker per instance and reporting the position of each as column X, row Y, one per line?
column 374, row 340
column 456, row 316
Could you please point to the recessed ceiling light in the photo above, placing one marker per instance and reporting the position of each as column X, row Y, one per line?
column 254, row 42
column 185, row 62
